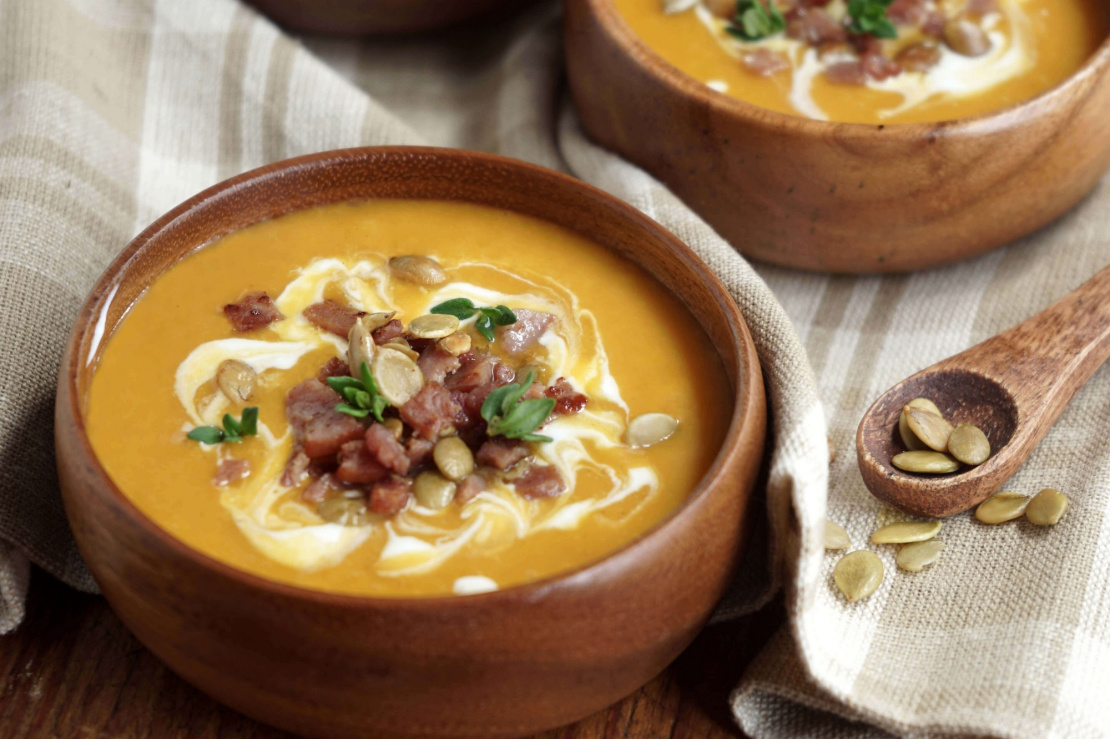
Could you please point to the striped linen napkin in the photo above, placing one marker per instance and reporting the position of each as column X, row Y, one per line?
column 111, row 112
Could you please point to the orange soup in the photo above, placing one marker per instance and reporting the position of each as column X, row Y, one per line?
column 405, row 398
column 873, row 61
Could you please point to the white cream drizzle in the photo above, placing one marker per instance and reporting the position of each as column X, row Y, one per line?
column 419, row 539
column 955, row 76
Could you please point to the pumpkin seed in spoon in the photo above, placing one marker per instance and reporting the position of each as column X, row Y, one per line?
column 912, row 442
column 905, row 532
column 1047, row 507
column 1001, row 507
column 929, row 427
column 925, row 461
column 919, row 555
column 969, row 445
column 858, row 574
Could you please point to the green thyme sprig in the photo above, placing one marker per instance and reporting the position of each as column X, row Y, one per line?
column 509, row 416
column 488, row 318
column 755, row 20
column 233, row 431
column 869, row 16
column 362, row 395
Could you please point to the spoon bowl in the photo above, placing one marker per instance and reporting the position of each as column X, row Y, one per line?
column 1013, row 387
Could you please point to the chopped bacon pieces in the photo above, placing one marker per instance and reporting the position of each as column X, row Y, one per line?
column 519, row 337
column 322, row 488
column 764, row 62
column 318, row 429
column 468, row 488
column 232, row 471
column 501, row 453
column 430, row 411
column 389, row 497
column 814, row 26
column 918, row 57
column 335, row 367
column 253, row 311
column 474, row 371
column 419, row 451
column 359, row 465
column 436, row 364
column 568, row 401
column 333, row 317
column 540, row 481
column 389, row 331
column 384, row 447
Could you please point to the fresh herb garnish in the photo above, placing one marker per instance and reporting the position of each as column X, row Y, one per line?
column 755, row 20
column 362, row 395
column 464, row 308
column 509, row 416
column 233, row 431
column 869, row 16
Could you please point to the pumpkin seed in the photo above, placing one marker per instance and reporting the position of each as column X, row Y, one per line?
column 858, row 574
column 966, row 38
column 455, row 344
column 374, row 321
column 650, row 428
column 912, row 442
column 932, row 462
column 421, row 270
column 360, row 345
column 397, row 374
column 345, row 511
column 1001, row 507
column 832, row 450
column 433, row 490
column 905, row 532
column 835, row 536
column 919, row 555
column 453, row 458
column 236, row 379
column 1047, row 507
column 433, row 326
column 403, row 346
column 395, row 425
column 929, row 427
column 969, row 445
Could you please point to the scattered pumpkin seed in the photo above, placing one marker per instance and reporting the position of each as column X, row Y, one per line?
column 395, row 425
column 905, row 532
column 236, row 379
column 433, row 490
column 433, row 326
column 453, row 458
column 1001, row 507
column 374, row 321
column 421, row 270
column 455, row 344
column 650, row 428
column 835, row 536
column 929, row 427
column 403, row 346
column 969, row 445
column 345, row 511
column 858, row 574
column 926, row 461
column 913, row 443
column 919, row 555
column 397, row 374
column 360, row 345
column 1047, row 507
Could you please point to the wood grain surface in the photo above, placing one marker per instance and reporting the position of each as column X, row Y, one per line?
column 73, row 670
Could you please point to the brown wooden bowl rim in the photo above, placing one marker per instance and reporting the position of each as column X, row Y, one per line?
column 691, row 89
column 746, row 366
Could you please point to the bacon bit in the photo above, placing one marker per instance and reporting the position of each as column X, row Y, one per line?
column 385, row 448
column 878, row 66
column 295, row 468
column 519, row 337
column 846, row 73
column 568, row 401
column 501, row 453
column 981, row 7
column 358, row 465
column 333, row 317
column 907, row 12
column 764, row 62
column 335, row 367
column 535, row 390
column 436, row 364
column 231, row 471
column 934, row 24
column 474, row 370
column 918, row 57
column 419, row 451
column 430, row 411
column 389, row 331
column 814, row 26
column 389, row 497
column 468, row 488
column 318, row 429
column 253, row 311
column 540, row 481
column 323, row 487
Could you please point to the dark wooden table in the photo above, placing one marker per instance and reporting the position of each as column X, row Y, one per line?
column 73, row 670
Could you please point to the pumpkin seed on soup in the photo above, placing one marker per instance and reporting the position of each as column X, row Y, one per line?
column 433, row 326
column 420, row 270
column 969, row 445
column 397, row 374
column 835, row 536
column 905, row 532
column 650, row 429
column 1047, row 507
column 236, row 380
column 1001, row 507
column 919, row 555
column 929, row 427
column 931, row 462
column 858, row 574
column 912, row 442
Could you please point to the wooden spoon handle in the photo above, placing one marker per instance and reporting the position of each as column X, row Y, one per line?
column 1046, row 359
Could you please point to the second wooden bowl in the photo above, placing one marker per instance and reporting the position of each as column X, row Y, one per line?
column 839, row 197
column 499, row 664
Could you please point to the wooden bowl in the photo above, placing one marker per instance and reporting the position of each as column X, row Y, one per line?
column 839, row 197
column 498, row 664
column 374, row 17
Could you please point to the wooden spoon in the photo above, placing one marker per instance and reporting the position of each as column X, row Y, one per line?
column 1012, row 386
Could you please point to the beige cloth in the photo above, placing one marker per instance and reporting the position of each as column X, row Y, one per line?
column 113, row 111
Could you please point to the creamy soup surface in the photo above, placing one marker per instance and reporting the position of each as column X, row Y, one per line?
column 617, row 339
column 918, row 60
